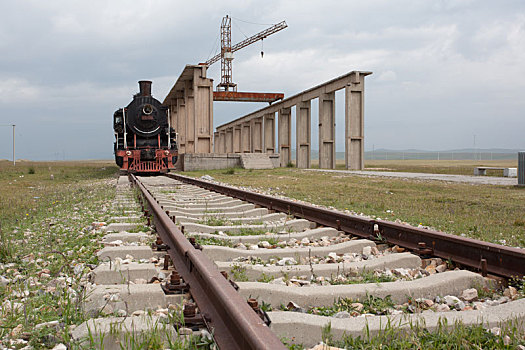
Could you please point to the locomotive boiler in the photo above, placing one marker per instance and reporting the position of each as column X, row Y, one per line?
column 144, row 140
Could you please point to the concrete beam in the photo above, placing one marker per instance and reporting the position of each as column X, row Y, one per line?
column 285, row 135
column 328, row 87
column 303, row 134
column 327, row 131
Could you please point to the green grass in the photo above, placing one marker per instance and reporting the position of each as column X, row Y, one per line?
column 490, row 213
column 50, row 234
column 371, row 305
column 27, row 188
column 238, row 273
column 445, row 337
column 212, row 241
column 364, row 277
column 247, row 232
column 459, row 167
column 213, row 221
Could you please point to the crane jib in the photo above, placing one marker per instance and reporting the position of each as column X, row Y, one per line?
column 254, row 38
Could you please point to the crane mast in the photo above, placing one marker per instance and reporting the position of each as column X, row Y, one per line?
column 227, row 50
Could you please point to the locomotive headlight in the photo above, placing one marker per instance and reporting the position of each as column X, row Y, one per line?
column 147, row 109
column 167, row 153
column 128, row 153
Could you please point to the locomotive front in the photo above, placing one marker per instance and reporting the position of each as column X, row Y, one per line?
column 144, row 140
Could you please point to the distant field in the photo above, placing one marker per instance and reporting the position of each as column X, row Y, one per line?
column 29, row 187
column 460, row 167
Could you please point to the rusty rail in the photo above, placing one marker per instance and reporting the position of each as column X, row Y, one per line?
column 486, row 257
column 231, row 321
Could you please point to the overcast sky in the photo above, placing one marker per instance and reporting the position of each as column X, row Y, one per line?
column 443, row 71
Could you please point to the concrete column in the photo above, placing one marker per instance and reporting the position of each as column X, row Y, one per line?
column 245, row 138
column 203, row 114
column 327, row 131
column 216, row 142
column 285, row 135
column 229, row 140
column 257, row 135
column 269, row 133
column 237, row 138
column 173, row 113
column 190, row 116
column 222, row 140
column 303, row 133
column 354, row 123
column 181, row 124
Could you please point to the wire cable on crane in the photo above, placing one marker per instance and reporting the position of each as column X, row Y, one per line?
column 215, row 47
column 262, row 24
column 235, row 24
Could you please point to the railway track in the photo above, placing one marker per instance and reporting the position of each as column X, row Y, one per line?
column 302, row 269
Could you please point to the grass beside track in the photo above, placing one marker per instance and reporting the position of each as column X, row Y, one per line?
column 485, row 212
column 45, row 243
column 30, row 187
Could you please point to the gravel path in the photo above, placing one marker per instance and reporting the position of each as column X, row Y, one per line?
column 479, row 180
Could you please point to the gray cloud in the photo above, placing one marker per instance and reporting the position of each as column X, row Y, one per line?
column 443, row 70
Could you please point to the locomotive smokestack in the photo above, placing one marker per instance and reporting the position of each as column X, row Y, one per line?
column 145, row 88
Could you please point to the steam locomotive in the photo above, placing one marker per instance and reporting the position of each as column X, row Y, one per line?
column 144, row 140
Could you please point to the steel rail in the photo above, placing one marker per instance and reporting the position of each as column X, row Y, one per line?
column 231, row 321
column 489, row 258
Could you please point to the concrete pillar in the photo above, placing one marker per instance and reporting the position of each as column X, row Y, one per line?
column 237, row 138
column 354, row 123
column 327, row 131
column 181, row 124
column 285, row 135
column 303, row 133
column 256, row 135
column 229, row 140
column 190, row 116
column 216, row 142
column 269, row 133
column 173, row 113
column 245, row 138
column 203, row 114
column 222, row 141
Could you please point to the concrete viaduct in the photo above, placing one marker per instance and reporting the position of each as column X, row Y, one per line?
column 190, row 103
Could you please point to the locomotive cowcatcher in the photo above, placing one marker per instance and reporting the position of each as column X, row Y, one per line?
column 144, row 140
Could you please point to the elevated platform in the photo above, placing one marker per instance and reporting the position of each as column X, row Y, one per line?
column 210, row 161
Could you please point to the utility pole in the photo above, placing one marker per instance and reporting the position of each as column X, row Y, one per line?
column 13, row 126
column 14, row 159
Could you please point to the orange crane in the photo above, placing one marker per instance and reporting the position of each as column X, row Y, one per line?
column 227, row 89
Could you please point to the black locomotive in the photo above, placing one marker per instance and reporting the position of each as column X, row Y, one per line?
column 144, row 140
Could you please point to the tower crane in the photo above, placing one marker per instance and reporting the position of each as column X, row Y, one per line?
column 226, row 57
